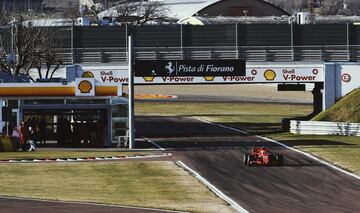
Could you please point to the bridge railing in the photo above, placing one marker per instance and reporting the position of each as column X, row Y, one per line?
column 249, row 53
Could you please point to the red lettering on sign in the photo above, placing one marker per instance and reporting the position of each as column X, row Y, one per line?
column 298, row 78
column 178, row 79
column 238, row 78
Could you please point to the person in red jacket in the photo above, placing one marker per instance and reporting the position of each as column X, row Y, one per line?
column 22, row 134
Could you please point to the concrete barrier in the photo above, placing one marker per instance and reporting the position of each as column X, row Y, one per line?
column 324, row 128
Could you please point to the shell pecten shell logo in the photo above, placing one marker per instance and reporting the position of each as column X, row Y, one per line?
column 149, row 78
column 209, row 78
column 85, row 86
column 269, row 74
column 87, row 74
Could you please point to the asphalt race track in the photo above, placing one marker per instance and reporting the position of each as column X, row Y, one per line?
column 301, row 185
column 8, row 205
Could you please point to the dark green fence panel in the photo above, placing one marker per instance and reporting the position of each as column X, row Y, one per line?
column 211, row 35
column 264, row 35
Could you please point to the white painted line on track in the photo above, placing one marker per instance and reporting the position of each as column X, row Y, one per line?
column 223, row 126
column 312, row 157
column 155, row 144
column 86, row 203
column 219, row 193
column 291, row 148
column 88, row 159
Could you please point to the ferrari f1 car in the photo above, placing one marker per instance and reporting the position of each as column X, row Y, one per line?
column 263, row 156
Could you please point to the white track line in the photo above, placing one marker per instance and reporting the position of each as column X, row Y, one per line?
column 86, row 203
column 155, row 144
column 312, row 157
column 219, row 193
column 220, row 125
column 291, row 148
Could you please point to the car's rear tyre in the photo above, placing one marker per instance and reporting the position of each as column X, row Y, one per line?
column 280, row 159
column 272, row 160
column 251, row 159
column 246, row 158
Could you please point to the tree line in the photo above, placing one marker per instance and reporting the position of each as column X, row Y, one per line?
column 25, row 48
column 322, row 7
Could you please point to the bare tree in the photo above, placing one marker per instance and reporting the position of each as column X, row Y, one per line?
column 291, row 6
column 46, row 54
column 151, row 11
column 331, row 7
column 93, row 10
column 23, row 40
column 354, row 7
column 33, row 47
column 4, row 16
column 136, row 12
column 72, row 12
column 327, row 7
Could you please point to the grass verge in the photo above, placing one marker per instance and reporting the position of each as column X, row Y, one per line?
column 45, row 154
column 156, row 184
column 345, row 110
column 265, row 119
column 342, row 151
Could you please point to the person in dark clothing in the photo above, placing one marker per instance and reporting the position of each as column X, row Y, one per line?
column 60, row 132
column 5, row 129
column 32, row 129
column 42, row 130
column 67, row 131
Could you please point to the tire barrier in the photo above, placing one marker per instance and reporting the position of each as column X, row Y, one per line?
column 84, row 159
column 8, row 144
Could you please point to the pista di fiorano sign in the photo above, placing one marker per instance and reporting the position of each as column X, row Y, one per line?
column 182, row 68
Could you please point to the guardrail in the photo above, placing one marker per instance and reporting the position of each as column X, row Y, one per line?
column 324, row 128
column 249, row 53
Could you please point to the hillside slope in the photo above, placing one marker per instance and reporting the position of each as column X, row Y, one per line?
column 346, row 109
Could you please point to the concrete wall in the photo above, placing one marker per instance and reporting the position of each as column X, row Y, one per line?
column 340, row 79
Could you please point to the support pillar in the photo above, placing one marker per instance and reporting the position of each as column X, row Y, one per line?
column 317, row 98
column 131, row 96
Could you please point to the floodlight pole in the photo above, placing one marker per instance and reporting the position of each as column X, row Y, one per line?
column 131, row 95
column 7, row 117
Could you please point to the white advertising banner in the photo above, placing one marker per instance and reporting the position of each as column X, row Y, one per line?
column 104, row 75
column 255, row 73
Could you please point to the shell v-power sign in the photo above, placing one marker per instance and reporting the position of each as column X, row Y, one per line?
column 223, row 71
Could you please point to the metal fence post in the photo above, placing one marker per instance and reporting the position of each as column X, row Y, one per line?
column 72, row 43
column 292, row 41
column 181, row 42
column 348, row 41
column 236, row 41
column 131, row 96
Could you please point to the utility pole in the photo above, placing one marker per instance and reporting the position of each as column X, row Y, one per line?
column 131, row 95
column 311, row 4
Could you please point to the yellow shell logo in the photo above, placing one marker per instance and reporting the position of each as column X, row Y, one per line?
column 269, row 75
column 209, row 78
column 149, row 78
column 87, row 74
column 85, row 86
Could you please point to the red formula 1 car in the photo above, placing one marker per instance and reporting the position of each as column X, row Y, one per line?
column 263, row 156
